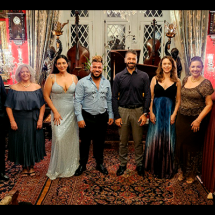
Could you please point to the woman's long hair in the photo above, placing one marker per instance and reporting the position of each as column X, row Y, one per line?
column 55, row 69
column 173, row 73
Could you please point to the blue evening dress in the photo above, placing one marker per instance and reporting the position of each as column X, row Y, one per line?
column 160, row 139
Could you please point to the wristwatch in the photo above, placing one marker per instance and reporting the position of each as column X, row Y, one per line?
column 146, row 114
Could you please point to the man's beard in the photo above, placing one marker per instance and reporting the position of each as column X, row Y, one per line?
column 96, row 77
column 131, row 65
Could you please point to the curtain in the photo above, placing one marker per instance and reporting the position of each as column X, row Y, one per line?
column 40, row 24
column 191, row 37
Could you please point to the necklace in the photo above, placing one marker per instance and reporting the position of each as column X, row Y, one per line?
column 25, row 85
column 195, row 80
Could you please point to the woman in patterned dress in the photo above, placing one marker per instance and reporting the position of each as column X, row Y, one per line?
column 192, row 121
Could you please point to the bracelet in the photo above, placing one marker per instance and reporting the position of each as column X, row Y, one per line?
column 198, row 121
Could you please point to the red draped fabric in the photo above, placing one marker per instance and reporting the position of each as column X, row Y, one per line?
column 208, row 163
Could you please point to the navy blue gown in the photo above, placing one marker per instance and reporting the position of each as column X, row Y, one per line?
column 27, row 144
column 160, row 139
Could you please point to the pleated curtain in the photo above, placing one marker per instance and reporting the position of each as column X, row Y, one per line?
column 40, row 24
column 191, row 37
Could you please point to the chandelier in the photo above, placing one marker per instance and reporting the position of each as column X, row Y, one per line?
column 124, row 14
column 7, row 63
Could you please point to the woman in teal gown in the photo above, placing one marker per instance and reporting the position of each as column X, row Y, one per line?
column 165, row 101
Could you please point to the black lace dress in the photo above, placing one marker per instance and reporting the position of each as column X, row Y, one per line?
column 189, row 144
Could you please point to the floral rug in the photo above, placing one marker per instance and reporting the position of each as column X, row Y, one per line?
column 29, row 187
column 94, row 188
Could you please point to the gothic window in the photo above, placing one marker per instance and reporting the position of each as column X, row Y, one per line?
column 83, row 29
column 83, row 35
column 114, row 31
column 83, row 13
column 110, row 13
column 153, row 13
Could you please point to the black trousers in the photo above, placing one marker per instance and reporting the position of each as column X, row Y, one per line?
column 2, row 144
column 95, row 130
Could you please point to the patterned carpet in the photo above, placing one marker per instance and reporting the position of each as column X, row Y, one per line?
column 29, row 187
column 93, row 188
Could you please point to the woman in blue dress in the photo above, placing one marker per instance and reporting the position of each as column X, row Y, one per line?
column 25, row 107
column 165, row 102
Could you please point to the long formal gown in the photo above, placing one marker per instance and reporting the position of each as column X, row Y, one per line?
column 27, row 144
column 65, row 137
column 160, row 139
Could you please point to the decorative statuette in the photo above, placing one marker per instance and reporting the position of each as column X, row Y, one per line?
column 170, row 30
column 58, row 29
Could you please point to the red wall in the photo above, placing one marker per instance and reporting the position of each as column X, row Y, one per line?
column 210, row 49
column 14, row 47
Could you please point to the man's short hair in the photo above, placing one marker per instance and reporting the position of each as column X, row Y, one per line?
column 131, row 51
column 97, row 58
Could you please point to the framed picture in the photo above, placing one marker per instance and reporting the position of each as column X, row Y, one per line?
column 3, row 45
column 3, row 13
column 212, row 22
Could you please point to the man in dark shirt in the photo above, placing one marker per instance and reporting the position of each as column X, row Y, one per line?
column 131, row 100
column 2, row 131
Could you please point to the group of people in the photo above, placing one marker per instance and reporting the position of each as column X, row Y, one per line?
column 81, row 111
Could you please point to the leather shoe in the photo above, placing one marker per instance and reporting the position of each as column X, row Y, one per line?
column 102, row 169
column 140, row 170
column 80, row 170
column 121, row 170
column 3, row 177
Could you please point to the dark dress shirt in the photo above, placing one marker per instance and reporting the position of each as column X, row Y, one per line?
column 131, row 90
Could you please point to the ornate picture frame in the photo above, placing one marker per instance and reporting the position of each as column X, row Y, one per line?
column 3, row 13
column 212, row 23
column 3, row 45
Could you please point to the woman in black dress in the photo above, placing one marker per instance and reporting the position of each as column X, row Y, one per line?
column 25, row 107
column 192, row 121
